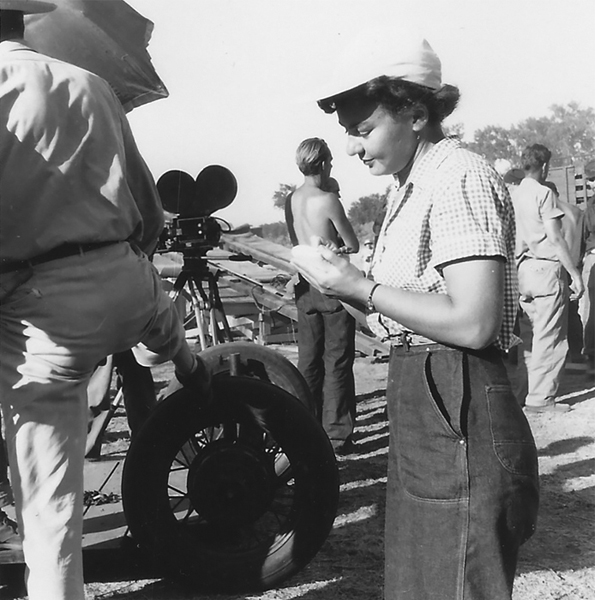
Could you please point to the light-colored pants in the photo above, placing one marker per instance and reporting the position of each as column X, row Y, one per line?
column 544, row 299
column 55, row 329
column 586, row 306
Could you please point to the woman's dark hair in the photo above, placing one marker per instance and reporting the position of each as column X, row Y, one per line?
column 397, row 95
column 11, row 24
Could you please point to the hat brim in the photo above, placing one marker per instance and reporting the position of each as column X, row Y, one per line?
column 514, row 176
column 329, row 88
column 28, row 7
column 396, row 52
column 345, row 81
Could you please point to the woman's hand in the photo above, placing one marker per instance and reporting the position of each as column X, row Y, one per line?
column 330, row 273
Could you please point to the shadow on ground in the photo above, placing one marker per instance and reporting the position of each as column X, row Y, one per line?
column 350, row 564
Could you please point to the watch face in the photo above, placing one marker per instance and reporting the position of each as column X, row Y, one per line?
column 370, row 304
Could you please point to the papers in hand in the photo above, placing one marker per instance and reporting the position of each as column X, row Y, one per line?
column 310, row 261
column 314, row 266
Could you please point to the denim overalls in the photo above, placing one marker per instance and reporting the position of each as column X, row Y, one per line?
column 462, row 491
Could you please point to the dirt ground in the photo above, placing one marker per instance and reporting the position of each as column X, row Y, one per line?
column 557, row 563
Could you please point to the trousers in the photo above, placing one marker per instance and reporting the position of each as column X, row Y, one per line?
column 462, row 490
column 326, row 352
column 5, row 489
column 138, row 388
column 587, row 306
column 544, row 297
column 54, row 330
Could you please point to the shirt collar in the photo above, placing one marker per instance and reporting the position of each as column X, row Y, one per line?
column 13, row 45
column 429, row 161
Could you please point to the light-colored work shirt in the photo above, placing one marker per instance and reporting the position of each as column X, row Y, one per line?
column 533, row 204
column 572, row 229
column 453, row 207
column 70, row 170
column 589, row 227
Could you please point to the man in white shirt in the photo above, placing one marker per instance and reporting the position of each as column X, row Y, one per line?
column 544, row 262
column 80, row 210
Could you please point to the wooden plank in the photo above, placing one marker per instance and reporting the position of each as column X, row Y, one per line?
column 260, row 250
column 244, row 278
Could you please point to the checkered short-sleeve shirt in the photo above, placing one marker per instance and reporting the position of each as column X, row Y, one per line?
column 454, row 206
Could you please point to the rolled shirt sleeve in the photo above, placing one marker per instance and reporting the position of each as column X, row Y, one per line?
column 466, row 221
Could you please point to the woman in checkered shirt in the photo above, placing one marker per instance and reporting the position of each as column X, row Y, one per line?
column 462, row 490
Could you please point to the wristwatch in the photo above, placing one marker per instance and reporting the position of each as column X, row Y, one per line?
column 370, row 303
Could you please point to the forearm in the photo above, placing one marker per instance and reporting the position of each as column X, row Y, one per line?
column 468, row 314
column 555, row 237
column 564, row 257
column 436, row 316
column 350, row 239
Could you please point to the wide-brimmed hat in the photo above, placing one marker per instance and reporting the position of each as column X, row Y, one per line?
column 28, row 7
column 399, row 52
column 514, row 176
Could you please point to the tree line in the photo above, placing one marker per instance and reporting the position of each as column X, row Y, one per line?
column 568, row 131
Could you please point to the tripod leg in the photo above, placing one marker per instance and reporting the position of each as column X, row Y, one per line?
column 217, row 308
column 223, row 319
column 202, row 338
column 214, row 327
column 210, row 306
column 180, row 293
column 199, row 314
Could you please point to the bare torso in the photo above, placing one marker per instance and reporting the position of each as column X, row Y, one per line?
column 321, row 214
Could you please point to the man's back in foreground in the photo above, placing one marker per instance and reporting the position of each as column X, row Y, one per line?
column 79, row 206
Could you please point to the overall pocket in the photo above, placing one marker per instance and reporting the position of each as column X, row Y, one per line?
column 511, row 434
column 432, row 454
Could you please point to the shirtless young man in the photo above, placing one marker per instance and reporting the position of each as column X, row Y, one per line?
column 326, row 331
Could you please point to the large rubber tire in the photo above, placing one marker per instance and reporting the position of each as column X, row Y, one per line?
column 233, row 497
column 263, row 363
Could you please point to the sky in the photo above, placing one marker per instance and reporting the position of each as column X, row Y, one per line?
column 237, row 72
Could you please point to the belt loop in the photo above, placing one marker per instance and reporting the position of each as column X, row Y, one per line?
column 405, row 341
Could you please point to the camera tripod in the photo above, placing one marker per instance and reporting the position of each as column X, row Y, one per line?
column 202, row 287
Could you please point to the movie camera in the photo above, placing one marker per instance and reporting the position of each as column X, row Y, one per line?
column 193, row 231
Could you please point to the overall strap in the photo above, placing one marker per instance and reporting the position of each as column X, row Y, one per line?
column 289, row 220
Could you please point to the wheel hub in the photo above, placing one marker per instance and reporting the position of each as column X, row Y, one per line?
column 230, row 484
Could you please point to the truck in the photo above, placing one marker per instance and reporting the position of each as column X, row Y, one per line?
column 574, row 182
